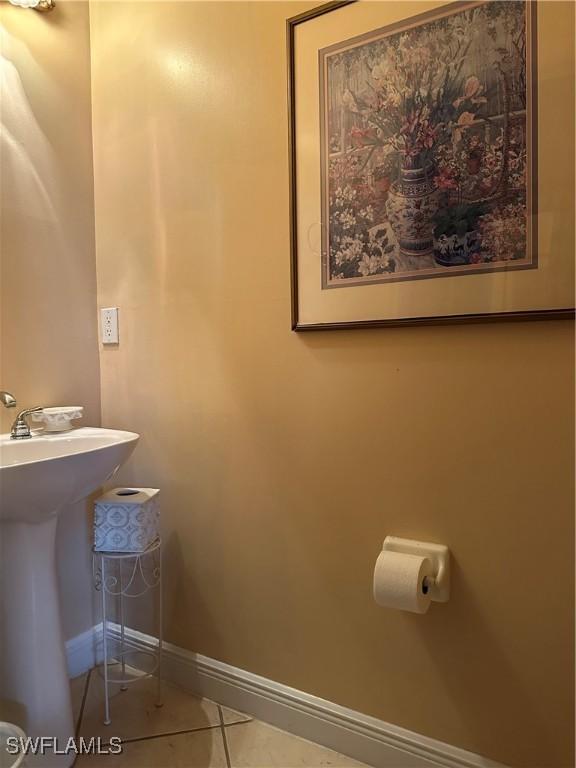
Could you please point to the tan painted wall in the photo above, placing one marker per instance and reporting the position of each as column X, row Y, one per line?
column 49, row 348
column 285, row 459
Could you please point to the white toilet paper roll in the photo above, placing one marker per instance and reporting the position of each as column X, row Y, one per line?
column 399, row 581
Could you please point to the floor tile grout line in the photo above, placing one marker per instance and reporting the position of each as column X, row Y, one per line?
column 224, row 739
column 200, row 729
column 82, row 704
column 221, row 725
column 132, row 739
column 238, row 722
column 164, row 734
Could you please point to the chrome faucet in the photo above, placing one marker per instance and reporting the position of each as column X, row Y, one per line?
column 20, row 428
column 7, row 400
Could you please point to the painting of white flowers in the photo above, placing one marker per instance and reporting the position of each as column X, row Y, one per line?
column 426, row 165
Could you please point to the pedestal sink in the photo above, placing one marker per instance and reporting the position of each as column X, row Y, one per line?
column 38, row 477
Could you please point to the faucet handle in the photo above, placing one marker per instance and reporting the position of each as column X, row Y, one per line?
column 20, row 429
column 26, row 411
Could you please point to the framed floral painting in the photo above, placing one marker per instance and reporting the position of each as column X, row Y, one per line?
column 415, row 184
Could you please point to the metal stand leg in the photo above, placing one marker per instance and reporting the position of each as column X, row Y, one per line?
column 123, row 687
column 159, row 701
column 119, row 587
column 107, row 720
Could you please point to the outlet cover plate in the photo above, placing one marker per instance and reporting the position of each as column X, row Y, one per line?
column 109, row 325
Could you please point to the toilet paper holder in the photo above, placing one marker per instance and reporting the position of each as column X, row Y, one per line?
column 439, row 556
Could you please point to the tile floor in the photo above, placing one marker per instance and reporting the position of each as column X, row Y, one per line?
column 186, row 732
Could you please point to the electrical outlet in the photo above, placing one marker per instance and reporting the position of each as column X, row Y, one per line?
column 109, row 325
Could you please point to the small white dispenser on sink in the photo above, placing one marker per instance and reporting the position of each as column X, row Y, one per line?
column 58, row 419
column 410, row 574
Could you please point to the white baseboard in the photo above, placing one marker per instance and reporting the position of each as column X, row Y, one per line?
column 362, row 737
column 81, row 651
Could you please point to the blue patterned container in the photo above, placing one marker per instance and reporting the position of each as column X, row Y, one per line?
column 126, row 520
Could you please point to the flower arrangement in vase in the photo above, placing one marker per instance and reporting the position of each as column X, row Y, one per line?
column 422, row 120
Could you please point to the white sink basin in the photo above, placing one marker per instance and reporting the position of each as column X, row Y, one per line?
column 37, row 478
column 41, row 475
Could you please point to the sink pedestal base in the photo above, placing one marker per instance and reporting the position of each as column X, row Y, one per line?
column 33, row 668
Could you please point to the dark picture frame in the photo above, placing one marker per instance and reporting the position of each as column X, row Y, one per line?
column 475, row 317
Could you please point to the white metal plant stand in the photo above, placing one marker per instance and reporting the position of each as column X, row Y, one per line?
column 127, row 575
